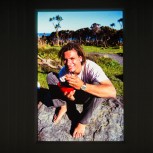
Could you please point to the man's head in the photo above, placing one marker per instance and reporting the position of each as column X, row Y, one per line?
column 72, row 55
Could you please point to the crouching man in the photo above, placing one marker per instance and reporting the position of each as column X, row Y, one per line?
column 90, row 84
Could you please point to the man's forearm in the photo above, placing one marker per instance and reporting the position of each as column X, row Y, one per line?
column 101, row 90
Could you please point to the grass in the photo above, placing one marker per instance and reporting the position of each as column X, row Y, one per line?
column 110, row 50
column 112, row 70
column 110, row 66
column 42, row 80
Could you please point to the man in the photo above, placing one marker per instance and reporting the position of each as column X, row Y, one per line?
column 89, row 81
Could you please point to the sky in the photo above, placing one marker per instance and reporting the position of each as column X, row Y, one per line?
column 74, row 20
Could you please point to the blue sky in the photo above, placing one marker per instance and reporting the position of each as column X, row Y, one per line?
column 74, row 20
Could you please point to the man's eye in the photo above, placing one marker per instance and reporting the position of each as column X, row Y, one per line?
column 71, row 59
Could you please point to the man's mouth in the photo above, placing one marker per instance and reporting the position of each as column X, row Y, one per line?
column 70, row 68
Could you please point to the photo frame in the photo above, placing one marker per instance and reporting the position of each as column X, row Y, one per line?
column 102, row 42
column 20, row 113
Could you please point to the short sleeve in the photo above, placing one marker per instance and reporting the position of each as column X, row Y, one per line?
column 95, row 73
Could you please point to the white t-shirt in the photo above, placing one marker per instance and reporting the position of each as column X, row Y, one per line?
column 91, row 72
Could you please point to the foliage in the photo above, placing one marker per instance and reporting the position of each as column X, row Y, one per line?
column 121, row 22
column 47, row 53
column 58, row 19
column 57, row 25
column 103, row 36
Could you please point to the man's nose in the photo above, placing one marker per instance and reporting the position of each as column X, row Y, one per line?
column 69, row 62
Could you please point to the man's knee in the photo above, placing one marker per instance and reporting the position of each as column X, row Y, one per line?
column 52, row 79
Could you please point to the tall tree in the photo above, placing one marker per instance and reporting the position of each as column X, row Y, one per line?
column 120, row 22
column 112, row 25
column 56, row 23
column 95, row 27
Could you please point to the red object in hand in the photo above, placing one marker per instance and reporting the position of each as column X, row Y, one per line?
column 64, row 88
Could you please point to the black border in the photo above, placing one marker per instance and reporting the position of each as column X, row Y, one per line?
column 19, row 76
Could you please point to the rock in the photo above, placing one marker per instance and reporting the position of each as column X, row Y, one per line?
column 106, row 124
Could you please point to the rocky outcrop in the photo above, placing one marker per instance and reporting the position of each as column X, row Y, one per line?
column 107, row 123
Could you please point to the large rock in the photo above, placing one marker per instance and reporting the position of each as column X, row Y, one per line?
column 107, row 123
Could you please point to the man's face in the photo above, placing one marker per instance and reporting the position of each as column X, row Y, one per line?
column 72, row 61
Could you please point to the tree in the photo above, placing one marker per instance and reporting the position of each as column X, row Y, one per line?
column 95, row 27
column 56, row 25
column 120, row 22
column 112, row 25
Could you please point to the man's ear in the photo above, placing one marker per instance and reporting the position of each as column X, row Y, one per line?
column 80, row 58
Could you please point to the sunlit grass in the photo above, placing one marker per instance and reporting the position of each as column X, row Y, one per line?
column 90, row 49
column 42, row 80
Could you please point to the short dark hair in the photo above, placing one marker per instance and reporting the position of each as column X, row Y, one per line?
column 71, row 46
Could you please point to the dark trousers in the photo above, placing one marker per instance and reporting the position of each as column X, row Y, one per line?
column 90, row 102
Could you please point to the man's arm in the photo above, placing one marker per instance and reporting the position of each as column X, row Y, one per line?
column 104, row 89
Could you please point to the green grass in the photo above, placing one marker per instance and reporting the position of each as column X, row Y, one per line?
column 49, row 52
column 90, row 49
column 112, row 70
column 110, row 67
column 42, row 79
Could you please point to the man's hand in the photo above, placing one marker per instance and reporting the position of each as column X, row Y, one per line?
column 74, row 81
column 70, row 95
